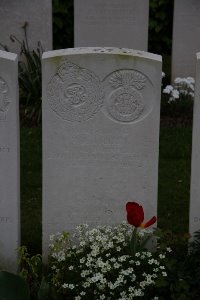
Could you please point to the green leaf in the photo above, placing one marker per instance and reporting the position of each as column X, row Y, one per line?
column 44, row 290
column 13, row 287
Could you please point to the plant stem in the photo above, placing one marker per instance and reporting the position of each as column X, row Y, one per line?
column 133, row 242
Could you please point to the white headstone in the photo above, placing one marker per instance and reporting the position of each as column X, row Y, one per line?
column 9, row 162
column 38, row 14
column 186, row 37
column 101, row 111
column 194, row 222
column 113, row 23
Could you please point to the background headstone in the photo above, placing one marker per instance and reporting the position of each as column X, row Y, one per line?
column 194, row 222
column 186, row 37
column 38, row 14
column 101, row 111
column 113, row 23
column 9, row 162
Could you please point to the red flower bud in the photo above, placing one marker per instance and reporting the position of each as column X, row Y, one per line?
column 135, row 215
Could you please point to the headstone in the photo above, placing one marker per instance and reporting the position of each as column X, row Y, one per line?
column 186, row 41
column 115, row 23
column 194, row 221
column 9, row 162
column 100, row 136
column 38, row 15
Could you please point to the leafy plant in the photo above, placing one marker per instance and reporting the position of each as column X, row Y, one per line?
column 30, row 80
column 100, row 265
column 32, row 270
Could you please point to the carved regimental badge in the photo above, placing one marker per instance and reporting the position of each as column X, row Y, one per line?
column 4, row 102
column 125, row 102
column 74, row 93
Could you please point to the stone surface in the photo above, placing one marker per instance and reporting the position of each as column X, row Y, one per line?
column 9, row 162
column 113, row 23
column 194, row 223
column 38, row 14
column 186, row 41
column 100, row 136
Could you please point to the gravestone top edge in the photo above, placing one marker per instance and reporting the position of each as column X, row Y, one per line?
column 8, row 55
column 102, row 50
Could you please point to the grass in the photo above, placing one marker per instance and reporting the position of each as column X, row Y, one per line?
column 174, row 178
column 173, row 191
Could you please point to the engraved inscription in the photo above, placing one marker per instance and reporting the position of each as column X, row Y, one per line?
column 98, row 159
column 4, row 102
column 5, row 219
column 4, row 149
column 74, row 93
column 196, row 219
column 97, row 150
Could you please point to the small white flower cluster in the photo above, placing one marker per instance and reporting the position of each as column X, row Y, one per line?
column 99, row 265
column 182, row 87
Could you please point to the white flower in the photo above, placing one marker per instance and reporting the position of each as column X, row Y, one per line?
column 116, row 265
column 168, row 89
column 175, row 94
column 82, row 260
column 96, row 256
column 68, row 285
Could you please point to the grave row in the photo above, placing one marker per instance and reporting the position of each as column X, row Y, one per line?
column 101, row 110
column 114, row 23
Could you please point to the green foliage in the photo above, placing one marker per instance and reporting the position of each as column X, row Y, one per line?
column 63, row 21
column 30, row 81
column 30, row 84
column 32, row 270
column 99, row 264
column 35, row 281
column 181, row 266
column 160, row 26
column 13, row 287
column 181, row 109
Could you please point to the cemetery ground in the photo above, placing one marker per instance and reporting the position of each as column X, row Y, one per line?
column 173, row 190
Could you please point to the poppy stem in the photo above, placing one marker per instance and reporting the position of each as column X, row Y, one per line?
column 133, row 242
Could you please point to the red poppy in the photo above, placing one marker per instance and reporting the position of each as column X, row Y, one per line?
column 135, row 215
